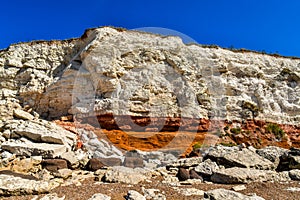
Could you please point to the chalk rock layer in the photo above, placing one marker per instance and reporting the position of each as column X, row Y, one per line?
column 124, row 74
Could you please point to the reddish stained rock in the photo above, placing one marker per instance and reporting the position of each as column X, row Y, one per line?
column 94, row 164
column 195, row 175
column 97, row 163
column 111, row 161
column 133, row 162
column 53, row 165
column 183, row 174
column 196, row 130
column 193, row 154
column 138, row 123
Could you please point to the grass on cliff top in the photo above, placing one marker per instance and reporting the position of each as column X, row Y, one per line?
column 243, row 50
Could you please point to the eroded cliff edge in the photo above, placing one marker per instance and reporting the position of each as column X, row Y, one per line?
column 137, row 81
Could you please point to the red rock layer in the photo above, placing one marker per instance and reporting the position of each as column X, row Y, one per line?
column 156, row 133
column 153, row 124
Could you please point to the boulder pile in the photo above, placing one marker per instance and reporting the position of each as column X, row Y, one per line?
column 38, row 156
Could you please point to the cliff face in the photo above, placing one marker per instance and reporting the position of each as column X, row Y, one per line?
column 27, row 70
column 129, row 80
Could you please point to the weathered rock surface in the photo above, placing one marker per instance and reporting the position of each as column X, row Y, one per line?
column 133, row 162
column 54, row 165
column 152, row 159
column 94, row 164
column 294, row 162
column 195, row 175
column 223, row 194
column 272, row 153
column 190, row 191
column 40, row 131
column 134, row 195
column 100, row 148
column 151, row 193
column 231, row 157
column 76, row 159
column 183, row 174
column 12, row 185
column 22, row 114
column 35, row 149
column 63, row 173
column 26, row 71
column 237, row 67
column 26, row 165
column 38, row 138
column 207, row 168
column 120, row 174
column 186, row 162
column 245, row 175
column 238, row 188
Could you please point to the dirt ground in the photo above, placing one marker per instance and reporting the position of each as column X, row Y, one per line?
column 117, row 191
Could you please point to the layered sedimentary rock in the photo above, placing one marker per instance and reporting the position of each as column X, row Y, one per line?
column 137, row 81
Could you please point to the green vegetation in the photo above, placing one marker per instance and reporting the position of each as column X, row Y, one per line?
column 236, row 130
column 276, row 130
column 247, row 132
column 230, row 144
column 197, row 145
column 210, row 46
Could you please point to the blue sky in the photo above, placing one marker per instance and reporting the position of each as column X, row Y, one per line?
column 269, row 25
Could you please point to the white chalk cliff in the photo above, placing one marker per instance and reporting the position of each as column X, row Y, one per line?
column 134, row 73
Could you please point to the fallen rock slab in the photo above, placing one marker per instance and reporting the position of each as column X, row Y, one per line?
column 190, row 191
column 133, row 162
column 183, row 174
column 13, row 185
column 120, row 174
column 272, row 153
column 186, row 162
column 245, row 175
column 94, row 164
column 26, row 165
column 234, row 157
column 63, row 173
column 41, row 131
column 22, row 114
column 238, row 188
column 207, row 168
column 34, row 149
column 223, row 194
column 53, row 165
column 195, row 175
